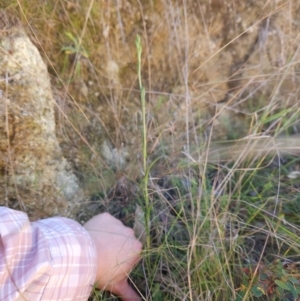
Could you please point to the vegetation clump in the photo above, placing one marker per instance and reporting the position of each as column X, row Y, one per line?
column 182, row 119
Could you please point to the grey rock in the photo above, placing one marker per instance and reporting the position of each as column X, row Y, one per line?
column 34, row 175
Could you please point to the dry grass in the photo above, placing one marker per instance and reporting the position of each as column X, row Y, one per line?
column 213, row 71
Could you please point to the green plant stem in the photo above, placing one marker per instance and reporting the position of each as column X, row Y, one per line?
column 144, row 134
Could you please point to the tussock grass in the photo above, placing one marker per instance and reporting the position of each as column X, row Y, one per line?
column 154, row 131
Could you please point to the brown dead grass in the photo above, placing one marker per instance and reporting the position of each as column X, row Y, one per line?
column 213, row 71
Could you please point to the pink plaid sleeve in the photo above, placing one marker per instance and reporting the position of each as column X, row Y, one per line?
column 52, row 259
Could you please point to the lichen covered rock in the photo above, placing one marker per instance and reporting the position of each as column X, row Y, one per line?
column 34, row 176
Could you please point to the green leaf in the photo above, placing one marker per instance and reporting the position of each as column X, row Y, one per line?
column 71, row 37
column 263, row 277
column 292, row 290
column 297, row 288
column 282, row 285
column 294, row 280
column 257, row 291
column 240, row 296
column 276, row 116
column 280, row 291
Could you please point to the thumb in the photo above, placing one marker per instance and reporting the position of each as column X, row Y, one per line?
column 126, row 292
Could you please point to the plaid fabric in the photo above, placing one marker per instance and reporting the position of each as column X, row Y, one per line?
column 51, row 259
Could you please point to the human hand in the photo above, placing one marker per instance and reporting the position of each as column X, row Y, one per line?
column 118, row 252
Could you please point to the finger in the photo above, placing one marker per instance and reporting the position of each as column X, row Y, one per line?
column 126, row 292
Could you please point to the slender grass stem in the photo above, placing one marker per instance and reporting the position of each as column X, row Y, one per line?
column 144, row 135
